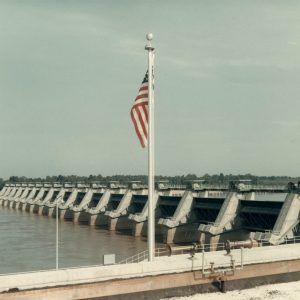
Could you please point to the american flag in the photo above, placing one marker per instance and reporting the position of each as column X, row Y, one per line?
column 139, row 113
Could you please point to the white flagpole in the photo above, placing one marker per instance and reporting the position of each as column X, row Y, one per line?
column 56, row 242
column 151, row 214
column 56, row 264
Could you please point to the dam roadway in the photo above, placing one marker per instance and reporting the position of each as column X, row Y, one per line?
column 165, row 276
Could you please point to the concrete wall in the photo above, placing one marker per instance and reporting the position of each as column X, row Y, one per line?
column 69, row 283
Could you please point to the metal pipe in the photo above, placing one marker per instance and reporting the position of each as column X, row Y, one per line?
column 191, row 248
column 229, row 245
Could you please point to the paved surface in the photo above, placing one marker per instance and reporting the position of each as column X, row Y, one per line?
column 162, row 265
column 282, row 291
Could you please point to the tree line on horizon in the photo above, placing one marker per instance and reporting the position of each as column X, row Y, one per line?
column 178, row 179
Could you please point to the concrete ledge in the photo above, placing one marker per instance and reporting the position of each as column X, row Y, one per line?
column 161, row 265
column 155, row 287
column 257, row 262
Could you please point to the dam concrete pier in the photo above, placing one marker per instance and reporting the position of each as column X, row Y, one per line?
column 117, row 207
column 64, row 199
column 183, row 214
column 15, row 202
column 72, row 195
column 77, row 209
column 139, row 209
column 96, row 207
column 45, row 206
column 8, row 191
column 32, row 206
column 31, row 196
column 14, row 195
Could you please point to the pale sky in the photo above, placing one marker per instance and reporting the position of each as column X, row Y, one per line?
column 227, row 86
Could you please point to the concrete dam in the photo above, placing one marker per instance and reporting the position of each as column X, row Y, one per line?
column 183, row 214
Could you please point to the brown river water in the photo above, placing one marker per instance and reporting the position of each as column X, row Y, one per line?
column 27, row 243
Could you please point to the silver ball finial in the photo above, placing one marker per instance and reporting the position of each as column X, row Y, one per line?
column 149, row 36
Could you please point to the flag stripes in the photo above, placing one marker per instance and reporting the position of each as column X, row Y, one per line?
column 139, row 113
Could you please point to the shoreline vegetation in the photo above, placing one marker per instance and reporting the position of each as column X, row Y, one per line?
column 178, row 179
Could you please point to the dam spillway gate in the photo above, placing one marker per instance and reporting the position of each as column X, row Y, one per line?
column 182, row 215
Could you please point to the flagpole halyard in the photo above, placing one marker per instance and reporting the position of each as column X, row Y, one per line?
column 151, row 210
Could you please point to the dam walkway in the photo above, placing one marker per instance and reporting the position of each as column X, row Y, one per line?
column 165, row 275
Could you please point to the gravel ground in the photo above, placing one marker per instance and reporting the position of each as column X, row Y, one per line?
column 281, row 291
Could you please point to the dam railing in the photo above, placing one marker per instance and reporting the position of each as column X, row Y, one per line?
column 142, row 256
